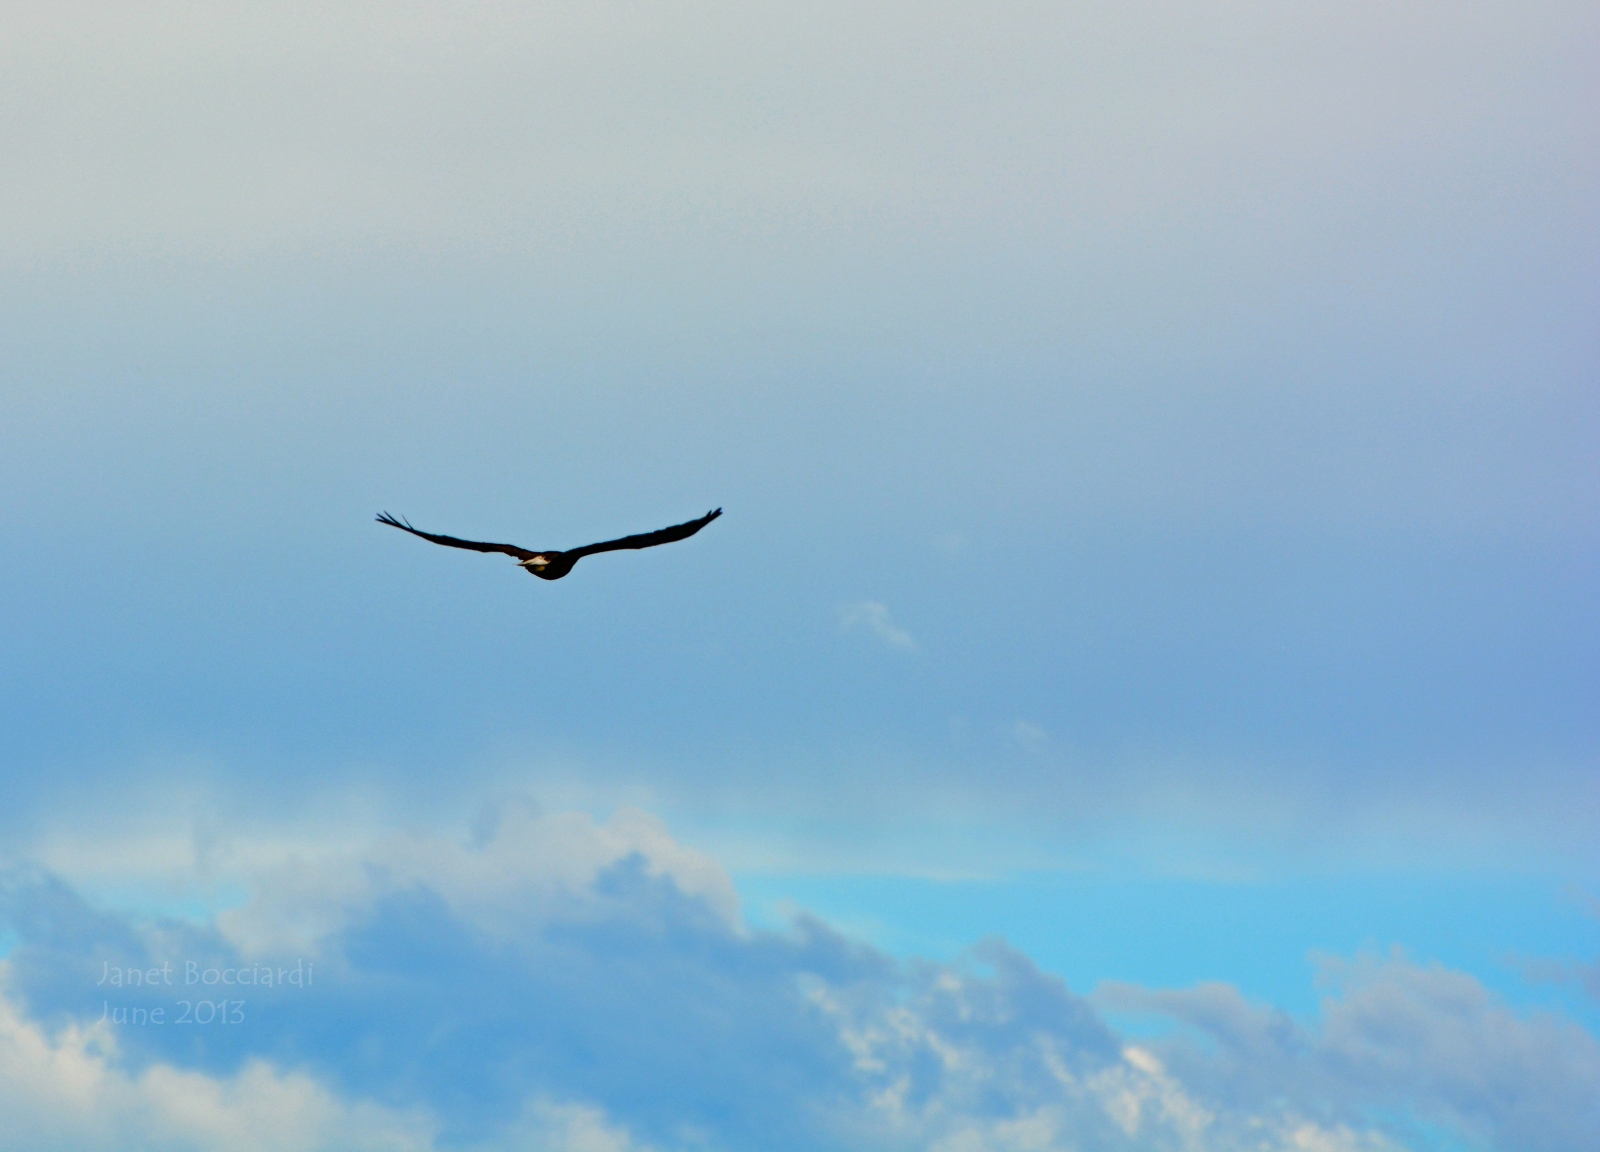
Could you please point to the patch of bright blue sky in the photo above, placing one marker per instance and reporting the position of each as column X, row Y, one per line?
column 1261, row 937
column 1419, row 1135
column 143, row 901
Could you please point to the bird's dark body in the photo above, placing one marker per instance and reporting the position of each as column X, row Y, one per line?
column 559, row 564
column 552, row 565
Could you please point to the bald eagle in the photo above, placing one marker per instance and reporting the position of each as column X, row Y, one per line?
column 550, row 565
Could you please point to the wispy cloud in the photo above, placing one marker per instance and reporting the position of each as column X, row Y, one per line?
column 874, row 617
column 1026, row 734
column 1543, row 969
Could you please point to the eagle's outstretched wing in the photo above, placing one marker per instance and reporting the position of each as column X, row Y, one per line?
column 452, row 542
column 648, row 539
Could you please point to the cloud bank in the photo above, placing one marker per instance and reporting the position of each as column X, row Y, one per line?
column 546, row 980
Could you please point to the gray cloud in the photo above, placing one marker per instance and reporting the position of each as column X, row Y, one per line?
column 1248, row 350
column 1394, row 1035
column 580, row 984
column 1162, row 198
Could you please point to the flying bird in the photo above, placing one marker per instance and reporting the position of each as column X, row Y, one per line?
column 549, row 565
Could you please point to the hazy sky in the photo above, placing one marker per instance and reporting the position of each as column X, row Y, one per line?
column 1160, row 454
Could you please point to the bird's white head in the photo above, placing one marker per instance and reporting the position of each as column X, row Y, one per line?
column 534, row 562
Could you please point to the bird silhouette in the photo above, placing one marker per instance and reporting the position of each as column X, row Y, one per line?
column 553, row 565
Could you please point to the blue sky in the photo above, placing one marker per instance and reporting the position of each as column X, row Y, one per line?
column 1140, row 693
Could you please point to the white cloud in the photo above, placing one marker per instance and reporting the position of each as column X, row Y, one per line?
column 874, row 617
column 1012, row 1063
column 552, row 1127
column 521, row 866
column 68, row 1091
